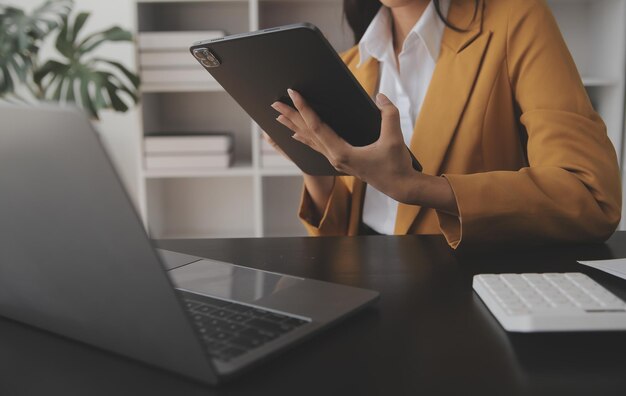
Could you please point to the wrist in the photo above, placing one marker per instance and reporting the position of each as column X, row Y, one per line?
column 429, row 191
column 410, row 189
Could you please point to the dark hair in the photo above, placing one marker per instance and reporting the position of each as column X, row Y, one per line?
column 359, row 14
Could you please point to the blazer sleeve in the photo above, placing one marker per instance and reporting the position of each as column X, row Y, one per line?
column 570, row 192
column 334, row 220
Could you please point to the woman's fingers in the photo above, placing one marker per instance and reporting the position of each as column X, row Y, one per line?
column 291, row 114
column 318, row 129
column 390, row 129
column 309, row 129
column 309, row 116
column 297, row 135
column 288, row 123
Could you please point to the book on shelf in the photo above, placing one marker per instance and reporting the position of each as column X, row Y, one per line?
column 173, row 76
column 175, row 40
column 192, row 143
column 205, row 161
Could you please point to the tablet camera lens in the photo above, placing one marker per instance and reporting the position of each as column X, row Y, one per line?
column 206, row 57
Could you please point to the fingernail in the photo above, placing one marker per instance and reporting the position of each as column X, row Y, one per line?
column 274, row 106
column 382, row 100
column 291, row 92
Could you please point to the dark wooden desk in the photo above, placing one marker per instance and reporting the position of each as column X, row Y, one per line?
column 429, row 334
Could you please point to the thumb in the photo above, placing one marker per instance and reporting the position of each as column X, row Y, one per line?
column 390, row 123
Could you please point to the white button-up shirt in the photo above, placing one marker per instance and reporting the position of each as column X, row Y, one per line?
column 405, row 84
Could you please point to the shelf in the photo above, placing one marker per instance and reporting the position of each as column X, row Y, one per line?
column 599, row 82
column 231, row 17
column 300, row 1
column 191, row 1
column 238, row 170
column 179, row 87
column 281, row 171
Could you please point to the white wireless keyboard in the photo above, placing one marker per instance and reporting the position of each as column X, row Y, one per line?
column 550, row 302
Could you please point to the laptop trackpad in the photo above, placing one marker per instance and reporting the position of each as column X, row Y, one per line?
column 229, row 281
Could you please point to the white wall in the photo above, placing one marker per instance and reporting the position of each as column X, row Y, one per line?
column 120, row 132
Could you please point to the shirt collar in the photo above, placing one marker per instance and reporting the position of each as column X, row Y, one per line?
column 377, row 41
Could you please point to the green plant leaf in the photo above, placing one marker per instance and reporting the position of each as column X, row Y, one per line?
column 70, row 95
column 79, row 22
column 132, row 77
column 56, row 96
column 86, row 101
column 93, row 41
column 53, row 68
column 21, row 35
column 94, row 84
column 6, row 83
column 117, row 103
column 63, row 44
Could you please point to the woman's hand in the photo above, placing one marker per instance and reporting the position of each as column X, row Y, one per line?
column 385, row 164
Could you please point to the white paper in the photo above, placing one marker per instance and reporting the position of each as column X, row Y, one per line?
column 616, row 267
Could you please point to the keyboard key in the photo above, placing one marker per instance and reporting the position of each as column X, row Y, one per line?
column 220, row 336
column 234, row 327
column 222, row 313
column 205, row 309
column 517, row 311
column 199, row 318
column 190, row 304
column 239, row 318
column 216, row 324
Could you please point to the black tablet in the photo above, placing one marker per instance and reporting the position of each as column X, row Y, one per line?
column 257, row 68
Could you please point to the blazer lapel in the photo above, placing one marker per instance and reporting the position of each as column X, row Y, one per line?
column 449, row 91
column 367, row 75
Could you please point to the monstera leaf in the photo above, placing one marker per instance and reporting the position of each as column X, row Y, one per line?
column 20, row 37
column 92, row 83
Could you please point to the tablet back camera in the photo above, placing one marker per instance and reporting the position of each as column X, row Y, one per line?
column 206, row 57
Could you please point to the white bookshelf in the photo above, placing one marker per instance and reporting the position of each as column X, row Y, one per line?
column 248, row 200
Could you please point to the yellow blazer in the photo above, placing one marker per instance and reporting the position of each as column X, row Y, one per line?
column 507, row 121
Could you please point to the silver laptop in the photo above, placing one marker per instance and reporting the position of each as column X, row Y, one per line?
column 75, row 260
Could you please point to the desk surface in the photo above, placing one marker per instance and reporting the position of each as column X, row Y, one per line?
column 429, row 334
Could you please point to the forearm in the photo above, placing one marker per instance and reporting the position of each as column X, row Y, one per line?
column 319, row 189
column 429, row 191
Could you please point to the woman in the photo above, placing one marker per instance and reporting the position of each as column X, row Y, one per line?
column 489, row 100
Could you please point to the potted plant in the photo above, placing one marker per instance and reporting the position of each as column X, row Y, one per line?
column 78, row 75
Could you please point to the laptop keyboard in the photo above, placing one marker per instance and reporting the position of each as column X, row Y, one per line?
column 230, row 329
